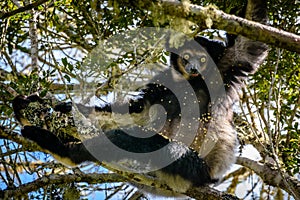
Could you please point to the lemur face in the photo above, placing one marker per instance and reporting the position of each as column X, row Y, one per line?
column 190, row 59
column 191, row 62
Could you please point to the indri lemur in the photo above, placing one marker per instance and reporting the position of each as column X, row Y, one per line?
column 193, row 164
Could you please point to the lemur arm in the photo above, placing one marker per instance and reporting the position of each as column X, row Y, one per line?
column 71, row 153
column 133, row 106
column 150, row 95
column 244, row 55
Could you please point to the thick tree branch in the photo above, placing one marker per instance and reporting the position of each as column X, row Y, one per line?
column 271, row 176
column 211, row 17
column 207, row 193
column 4, row 15
column 91, row 178
column 199, row 193
column 240, row 26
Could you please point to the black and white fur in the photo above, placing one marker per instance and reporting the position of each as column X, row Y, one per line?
column 192, row 165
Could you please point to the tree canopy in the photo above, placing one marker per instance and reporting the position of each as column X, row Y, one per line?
column 44, row 44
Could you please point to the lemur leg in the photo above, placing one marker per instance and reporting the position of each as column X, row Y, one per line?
column 187, row 164
column 69, row 153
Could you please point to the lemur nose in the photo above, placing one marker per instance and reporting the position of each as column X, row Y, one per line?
column 194, row 70
column 193, row 67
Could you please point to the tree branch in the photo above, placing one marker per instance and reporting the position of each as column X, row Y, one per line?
column 4, row 15
column 271, row 176
column 208, row 193
column 91, row 178
column 211, row 17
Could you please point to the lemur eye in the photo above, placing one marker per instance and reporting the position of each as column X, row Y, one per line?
column 203, row 59
column 186, row 56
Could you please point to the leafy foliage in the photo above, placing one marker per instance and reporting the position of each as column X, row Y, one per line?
column 68, row 30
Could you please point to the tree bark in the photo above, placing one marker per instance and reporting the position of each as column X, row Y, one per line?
column 270, row 175
column 211, row 17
